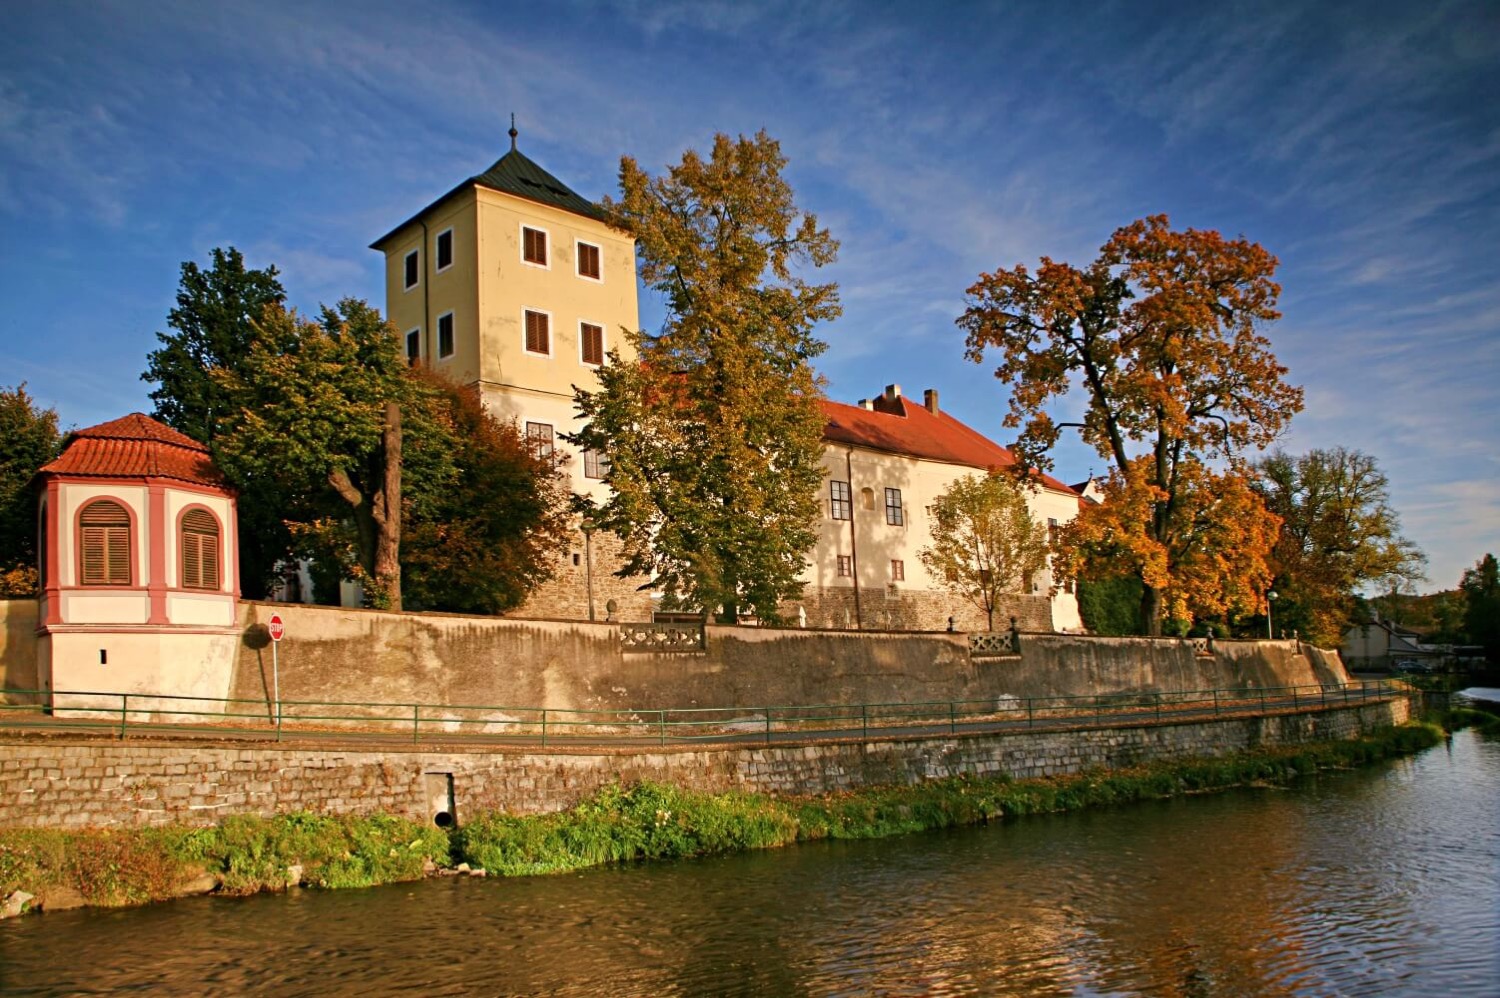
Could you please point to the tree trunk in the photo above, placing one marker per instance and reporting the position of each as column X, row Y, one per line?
column 1151, row 610
column 388, row 512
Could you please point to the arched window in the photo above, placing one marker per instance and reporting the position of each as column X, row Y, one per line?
column 199, row 539
column 41, row 545
column 867, row 498
column 104, row 544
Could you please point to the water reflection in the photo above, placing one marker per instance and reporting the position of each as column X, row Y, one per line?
column 1382, row 881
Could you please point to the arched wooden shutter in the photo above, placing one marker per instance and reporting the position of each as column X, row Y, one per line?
column 104, row 527
column 200, row 550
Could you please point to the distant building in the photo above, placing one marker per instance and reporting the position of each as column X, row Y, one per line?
column 138, row 564
column 1381, row 644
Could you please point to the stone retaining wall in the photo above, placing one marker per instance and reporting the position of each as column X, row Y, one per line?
column 101, row 783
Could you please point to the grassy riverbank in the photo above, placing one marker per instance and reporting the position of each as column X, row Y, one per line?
column 245, row 854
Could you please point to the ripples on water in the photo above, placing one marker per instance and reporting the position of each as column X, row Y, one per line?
column 1383, row 881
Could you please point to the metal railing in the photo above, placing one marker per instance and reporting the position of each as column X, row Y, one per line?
column 123, row 714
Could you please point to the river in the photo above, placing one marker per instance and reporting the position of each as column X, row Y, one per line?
column 1376, row 882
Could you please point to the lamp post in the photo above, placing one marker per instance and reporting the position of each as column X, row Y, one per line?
column 1270, row 595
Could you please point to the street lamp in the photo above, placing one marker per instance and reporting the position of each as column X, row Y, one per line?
column 1270, row 595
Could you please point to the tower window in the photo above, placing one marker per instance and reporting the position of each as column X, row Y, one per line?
column 534, row 246
column 445, row 335
column 414, row 346
column 588, row 261
column 410, row 274
column 538, row 333
column 591, row 343
column 104, row 544
column 539, row 439
column 444, row 252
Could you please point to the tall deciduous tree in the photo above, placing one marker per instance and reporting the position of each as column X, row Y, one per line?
column 984, row 542
column 1161, row 334
column 328, row 406
column 495, row 534
column 1481, row 589
column 1211, row 558
column 714, row 431
column 1338, row 535
column 212, row 330
column 28, row 440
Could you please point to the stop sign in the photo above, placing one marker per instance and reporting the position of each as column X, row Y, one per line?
column 277, row 627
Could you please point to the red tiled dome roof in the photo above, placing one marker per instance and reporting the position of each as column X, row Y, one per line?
column 135, row 446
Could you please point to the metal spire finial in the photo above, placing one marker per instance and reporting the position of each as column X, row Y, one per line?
column 513, row 132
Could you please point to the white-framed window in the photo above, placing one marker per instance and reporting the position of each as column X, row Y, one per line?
column 590, row 260
column 591, row 343
column 411, row 270
column 414, row 345
column 539, row 439
column 442, row 250
column 534, row 247
column 537, row 326
column 595, row 464
column 445, row 334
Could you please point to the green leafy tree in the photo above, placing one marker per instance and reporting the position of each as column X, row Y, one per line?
column 1111, row 605
column 1161, row 335
column 328, row 408
column 212, row 330
column 984, row 542
column 1338, row 535
column 495, row 533
column 714, row 430
column 1481, row 589
column 28, row 440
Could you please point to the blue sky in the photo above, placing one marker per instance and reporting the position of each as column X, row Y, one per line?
column 1359, row 142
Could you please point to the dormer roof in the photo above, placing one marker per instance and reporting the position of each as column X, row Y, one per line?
column 134, row 446
column 515, row 173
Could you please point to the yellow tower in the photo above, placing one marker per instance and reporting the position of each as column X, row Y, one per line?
column 513, row 283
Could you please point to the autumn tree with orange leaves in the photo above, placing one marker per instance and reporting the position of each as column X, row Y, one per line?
column 1162, row 336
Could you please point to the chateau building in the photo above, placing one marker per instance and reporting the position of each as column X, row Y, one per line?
column 514, row 284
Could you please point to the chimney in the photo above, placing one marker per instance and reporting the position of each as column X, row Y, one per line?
column 892, row 392
column 930, row 400
column 867, row 405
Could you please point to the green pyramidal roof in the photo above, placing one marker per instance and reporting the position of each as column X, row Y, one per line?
column 514, row 173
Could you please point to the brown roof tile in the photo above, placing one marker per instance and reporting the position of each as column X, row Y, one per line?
column 135, row 446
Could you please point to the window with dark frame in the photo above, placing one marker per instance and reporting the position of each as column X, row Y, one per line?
column 893, row 514
column 445, row 335
column 538, row 335
column 898, row 570
column 840, row 503
column 410, row 274
column 104, row 544
column 595, row 464
column 846, row 565
column 444, row 249
column 593, row 343
column 588, row 261
column 539, row 439
column 1054, row 532
column 414, row 346
column 534, row 246
column 200, row 550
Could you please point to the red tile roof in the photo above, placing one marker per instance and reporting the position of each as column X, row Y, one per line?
column 899, row 426
column 135, row 446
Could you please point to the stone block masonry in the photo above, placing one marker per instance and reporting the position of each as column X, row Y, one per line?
column 58, row 783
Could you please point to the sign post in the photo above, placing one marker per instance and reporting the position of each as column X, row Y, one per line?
column 277, row 628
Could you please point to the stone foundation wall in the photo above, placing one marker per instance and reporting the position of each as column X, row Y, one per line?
column 895, row 608
column 586, row 562
column 104, row 783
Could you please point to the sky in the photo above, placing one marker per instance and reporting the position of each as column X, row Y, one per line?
column 1359, row 142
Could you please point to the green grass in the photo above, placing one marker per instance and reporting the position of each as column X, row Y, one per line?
column 620, row 824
